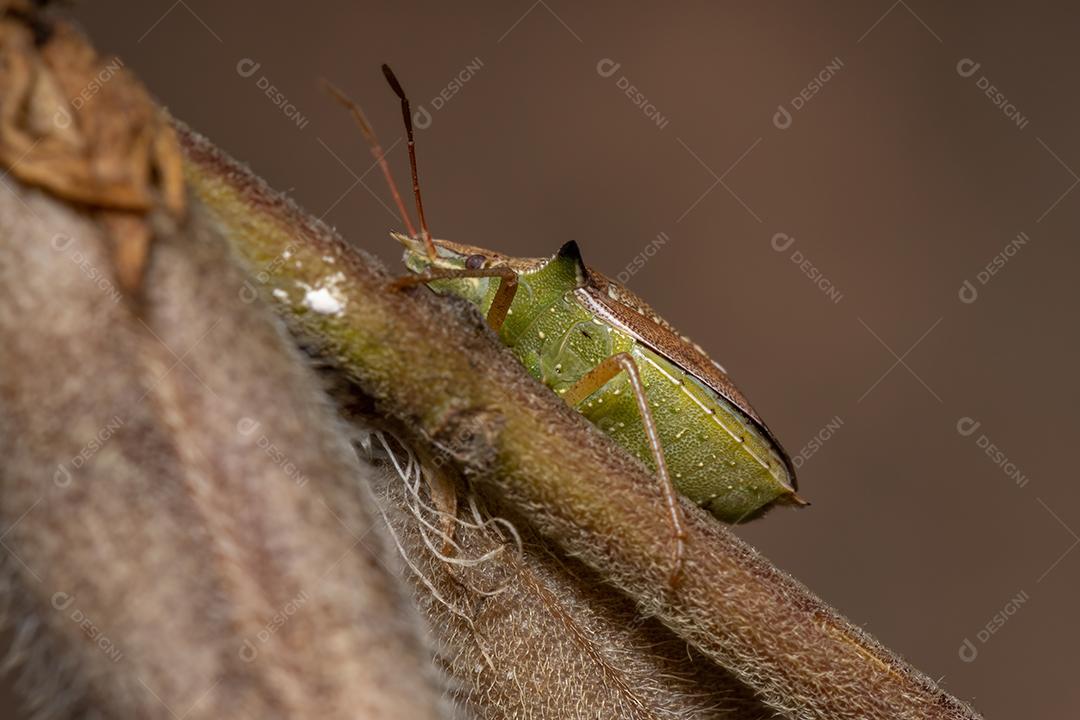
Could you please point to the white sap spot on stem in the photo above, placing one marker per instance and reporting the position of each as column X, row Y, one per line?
column 323, row 302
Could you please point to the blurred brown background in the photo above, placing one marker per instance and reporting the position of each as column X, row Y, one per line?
column 892, row 175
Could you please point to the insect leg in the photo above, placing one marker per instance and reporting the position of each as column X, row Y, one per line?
column 504, row 294
column 596, row 379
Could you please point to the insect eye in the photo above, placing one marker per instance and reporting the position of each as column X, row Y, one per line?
column 474, row 262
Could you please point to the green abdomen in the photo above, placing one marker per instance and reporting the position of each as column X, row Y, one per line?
column 715, row 457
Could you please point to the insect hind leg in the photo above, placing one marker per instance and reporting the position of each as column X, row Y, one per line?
column 595, row 379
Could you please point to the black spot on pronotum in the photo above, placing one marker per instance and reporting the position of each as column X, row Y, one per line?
column 474, row 262
column 570, row 250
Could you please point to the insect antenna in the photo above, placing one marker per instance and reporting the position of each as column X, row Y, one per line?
column 407, row 115
column 376, row 149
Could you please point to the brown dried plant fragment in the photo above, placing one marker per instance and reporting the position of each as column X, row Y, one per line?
column 85, row 130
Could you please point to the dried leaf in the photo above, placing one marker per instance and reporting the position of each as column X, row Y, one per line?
column 85, row 130
column 78, row 126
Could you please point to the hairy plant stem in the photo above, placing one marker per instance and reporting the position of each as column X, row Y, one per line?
column 433, row 364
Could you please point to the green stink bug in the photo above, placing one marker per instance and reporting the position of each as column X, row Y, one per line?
column 610, row 356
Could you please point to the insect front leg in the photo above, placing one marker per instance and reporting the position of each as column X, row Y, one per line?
column 596, row 379
column 504, row 294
